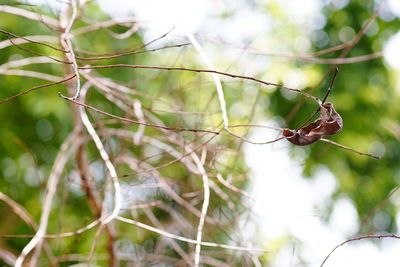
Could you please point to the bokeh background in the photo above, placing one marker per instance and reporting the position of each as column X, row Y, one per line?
column 296, row 202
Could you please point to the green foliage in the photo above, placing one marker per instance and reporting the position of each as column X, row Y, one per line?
column 33, row 127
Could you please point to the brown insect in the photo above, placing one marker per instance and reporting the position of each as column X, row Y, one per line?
column 329, row 123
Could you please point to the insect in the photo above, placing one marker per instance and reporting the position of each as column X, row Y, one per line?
column 329, row 123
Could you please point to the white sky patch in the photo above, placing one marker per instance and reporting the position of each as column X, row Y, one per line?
column 159, row 17
column 391, row 51
column 394, row 6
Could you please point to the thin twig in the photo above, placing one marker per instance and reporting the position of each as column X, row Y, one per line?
column 65, row 39
column 59, row 165
column 134, row 52
column 19, row 210
column 137, row 107
column 144, row 205
column 32, row 41
column 37, row 53
column 350, row 149
column 184, row 239
column 106, row 218
column 359, row 238
column 216, row 79
column 171, row 241
column 27, row 14
column 252, row 142
column 101, row 25
column 201, row 70
column 29, row 73
column 36, row 87
column 140, row 123
column 38, row 38
column 231, row 187
column 177, row 157
column 126, row 34
column 104, row 155
column 206, row 201
column 255, row 125
column 26, row 61
column 336, row 61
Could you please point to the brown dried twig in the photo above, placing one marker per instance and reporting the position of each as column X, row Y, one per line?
column 35, row 88
column 138, row 122
column 359, row 238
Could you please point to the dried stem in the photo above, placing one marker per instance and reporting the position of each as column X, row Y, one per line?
column 58, row 166
column 184, row 239
column 204, row 207
column 29, row 15
column 216, row 79
column 138, row 122
column 350, row 149
column 360, row 238
column 204, row 71
column 65, row 40
column 37, row 87
column 31, row 41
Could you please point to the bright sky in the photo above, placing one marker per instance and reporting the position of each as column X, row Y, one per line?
column 286, row 203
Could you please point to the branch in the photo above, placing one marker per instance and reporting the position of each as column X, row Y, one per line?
column 204, row 207
column 26, row 61
column 58, row 167
column 65, row 40
column 29, row 40
column 101, row 25
column 29, row 73
column 187, row 240
column 216, row 79
column 106, row 159
column 359, row 238
column 137, row 122
column 350, row 149
column 201, row 70
column 36, row 87
column 29, row 15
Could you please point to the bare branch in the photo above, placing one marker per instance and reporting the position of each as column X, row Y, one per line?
column 360, row 238
column 184, row 239
column 141, row 123
column 58, row 167
column 350, row 149
column 29, row 73
column 65, row 40
column 29, row 15
column 204, row 207
column 201, row 70
column 26, row 61
column 37, row 87
column 101, row 25
column 30, row 40
column 216, row 79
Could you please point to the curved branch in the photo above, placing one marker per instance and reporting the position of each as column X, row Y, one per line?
column 359, row 238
